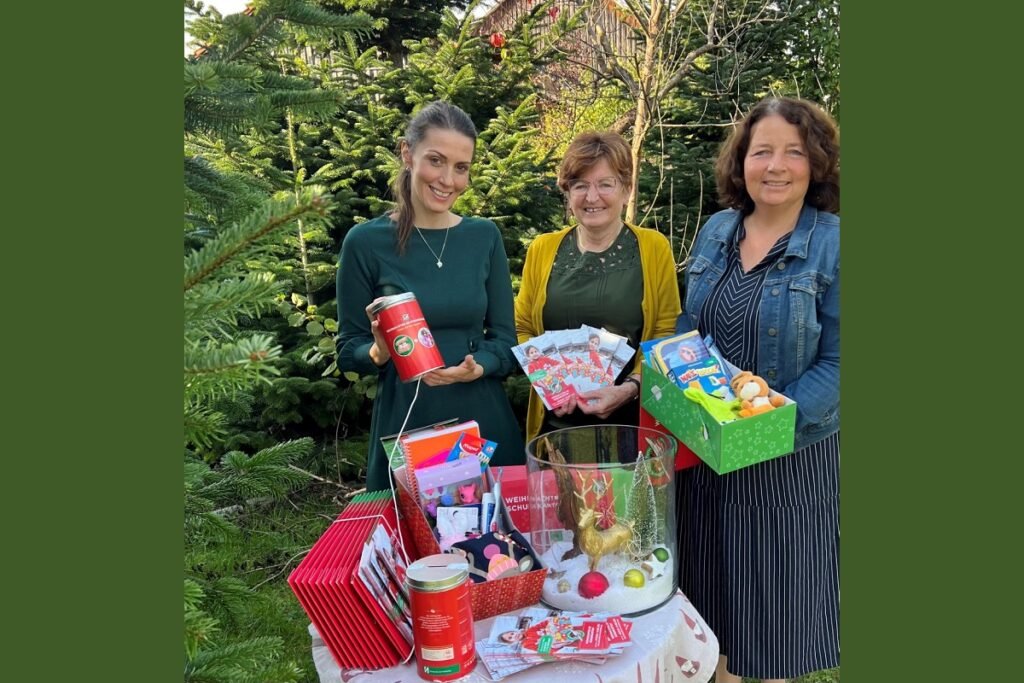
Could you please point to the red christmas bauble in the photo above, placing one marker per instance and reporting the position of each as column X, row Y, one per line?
column 497, row 40
column 592, row 584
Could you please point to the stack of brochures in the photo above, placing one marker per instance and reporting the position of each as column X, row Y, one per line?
column 540, row 635
column 565, row 363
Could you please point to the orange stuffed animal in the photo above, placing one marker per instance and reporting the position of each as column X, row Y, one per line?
column 754, row 395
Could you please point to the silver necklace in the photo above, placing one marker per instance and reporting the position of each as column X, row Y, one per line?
column 443, row 245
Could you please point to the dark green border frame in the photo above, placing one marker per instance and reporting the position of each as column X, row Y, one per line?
column 93, row 515
column 930, row 252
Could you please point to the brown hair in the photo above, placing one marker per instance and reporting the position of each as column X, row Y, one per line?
column 441, row 115
column 820, row 136
column 589, row 149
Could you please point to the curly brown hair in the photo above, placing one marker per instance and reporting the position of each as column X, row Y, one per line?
column 820, row 136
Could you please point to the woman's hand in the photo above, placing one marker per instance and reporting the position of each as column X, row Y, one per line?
column 566, row 408
column 379, row 353
column 466, row 371
column 603, row 402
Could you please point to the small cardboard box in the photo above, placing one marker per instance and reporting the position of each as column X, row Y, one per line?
column 724, row 447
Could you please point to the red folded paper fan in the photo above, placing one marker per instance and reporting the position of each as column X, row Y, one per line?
column 352, row 592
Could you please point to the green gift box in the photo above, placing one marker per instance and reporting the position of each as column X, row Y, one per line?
column 724, row 447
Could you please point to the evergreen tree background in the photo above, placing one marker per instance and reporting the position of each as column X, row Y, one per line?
column 293, row 110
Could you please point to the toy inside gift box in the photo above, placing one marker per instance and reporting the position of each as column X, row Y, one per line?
column 453, row 504
column 729, row 418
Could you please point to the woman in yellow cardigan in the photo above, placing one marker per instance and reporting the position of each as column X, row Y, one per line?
column 600, row 272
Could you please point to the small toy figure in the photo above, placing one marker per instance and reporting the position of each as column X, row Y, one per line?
column 754, row 394
column 468, row 494
column 597, row 542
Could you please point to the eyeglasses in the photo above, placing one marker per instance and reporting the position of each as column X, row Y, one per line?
column 605, row 187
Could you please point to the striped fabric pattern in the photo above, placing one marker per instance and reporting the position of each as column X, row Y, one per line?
column 759, row 547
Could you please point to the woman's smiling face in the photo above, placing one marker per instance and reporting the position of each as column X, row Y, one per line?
column 776, row 170
column 593, row 210
column 439, row 171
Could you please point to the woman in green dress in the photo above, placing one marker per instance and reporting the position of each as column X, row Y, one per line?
column 601, row 272
column 457, row 268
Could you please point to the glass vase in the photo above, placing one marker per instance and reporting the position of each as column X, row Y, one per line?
column 603, row 517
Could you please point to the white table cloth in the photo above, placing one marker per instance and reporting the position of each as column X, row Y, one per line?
column 670, row 645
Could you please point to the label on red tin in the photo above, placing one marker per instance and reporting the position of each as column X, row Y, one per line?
column 413, row 350
column 443, row 630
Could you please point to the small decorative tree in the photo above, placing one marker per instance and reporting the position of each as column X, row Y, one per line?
column 641, row 508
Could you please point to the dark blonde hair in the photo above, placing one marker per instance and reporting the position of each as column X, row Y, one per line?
column 589, row 149
column 820, row 136
column 441, row 115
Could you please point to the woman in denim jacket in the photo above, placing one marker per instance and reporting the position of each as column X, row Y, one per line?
column 760, row 546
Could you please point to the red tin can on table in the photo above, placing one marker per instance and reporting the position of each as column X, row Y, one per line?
column 442, row 617
column 409, row 340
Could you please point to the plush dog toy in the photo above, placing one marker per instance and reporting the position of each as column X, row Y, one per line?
column 754, row 394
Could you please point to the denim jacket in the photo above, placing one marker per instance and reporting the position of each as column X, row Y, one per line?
column 798, row 337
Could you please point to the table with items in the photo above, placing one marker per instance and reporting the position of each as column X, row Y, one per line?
column 668, row 645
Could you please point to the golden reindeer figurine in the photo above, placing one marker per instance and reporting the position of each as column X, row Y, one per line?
column 595, row 542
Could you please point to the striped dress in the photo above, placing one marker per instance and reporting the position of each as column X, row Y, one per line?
column 759, row 547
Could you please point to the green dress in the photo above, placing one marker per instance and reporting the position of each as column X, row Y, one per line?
column 467, row 304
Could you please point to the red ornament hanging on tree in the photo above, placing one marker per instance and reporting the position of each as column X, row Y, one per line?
column 497, row 40
column 553, row 11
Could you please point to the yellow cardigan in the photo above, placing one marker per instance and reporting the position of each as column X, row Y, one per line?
column 660, row 304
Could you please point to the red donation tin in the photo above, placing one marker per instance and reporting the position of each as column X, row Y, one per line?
column 442, row 618
column 410, row 343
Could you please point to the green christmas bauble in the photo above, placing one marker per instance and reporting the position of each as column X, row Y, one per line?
column 661, row 554
column 634, row 578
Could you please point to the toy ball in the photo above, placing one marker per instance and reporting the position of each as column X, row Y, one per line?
column 592, row 584
column 661, row 554
column 447, row 500
column 634, row 578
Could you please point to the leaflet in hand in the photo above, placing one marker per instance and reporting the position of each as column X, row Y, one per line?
column 565, row 363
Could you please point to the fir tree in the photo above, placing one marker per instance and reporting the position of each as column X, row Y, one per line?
column 234, row 227
column 221, row 359
column 641, row 508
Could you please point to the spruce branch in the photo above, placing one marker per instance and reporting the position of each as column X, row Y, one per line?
column 246, row 235
column 203, row 426
column 214, row 369
column 211, row 305
column 249, row 661
column 266, row 473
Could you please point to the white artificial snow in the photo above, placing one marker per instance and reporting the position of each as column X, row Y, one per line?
column 619, row 598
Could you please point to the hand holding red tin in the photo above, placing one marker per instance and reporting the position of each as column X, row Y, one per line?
column 466, row 371
column 379, row 350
